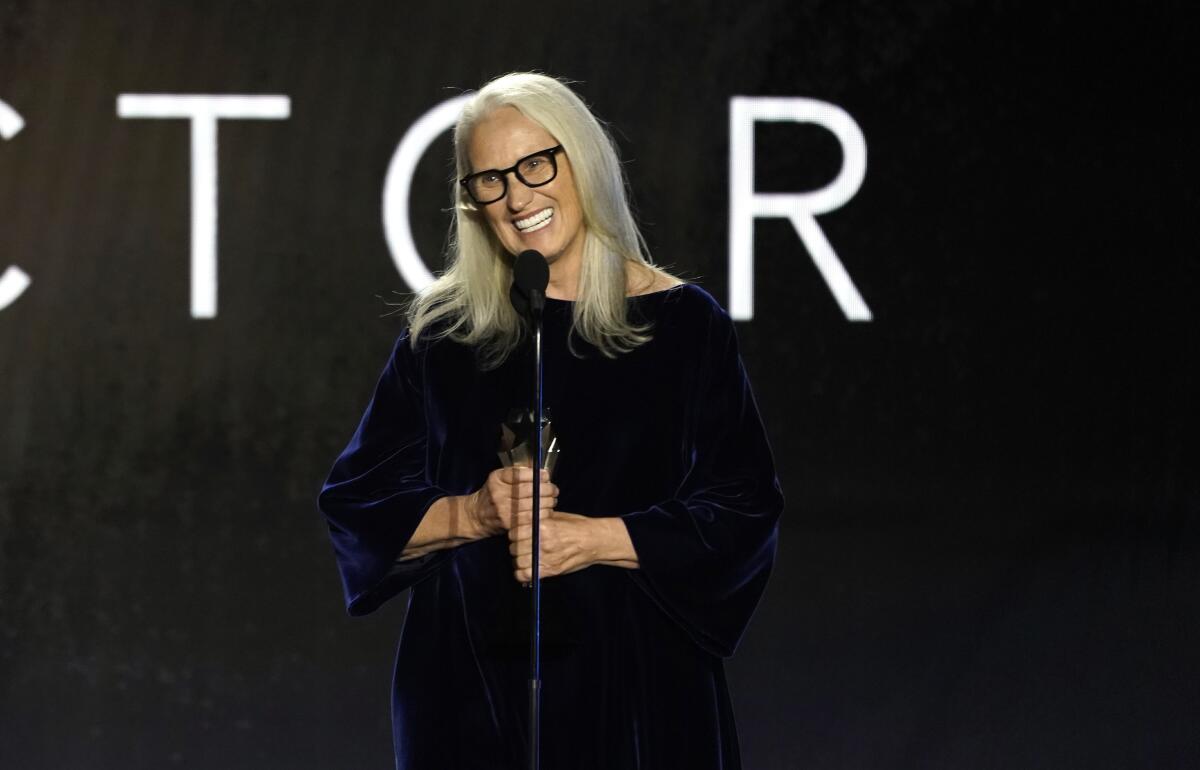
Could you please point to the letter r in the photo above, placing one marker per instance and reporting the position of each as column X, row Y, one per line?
column 801, row 209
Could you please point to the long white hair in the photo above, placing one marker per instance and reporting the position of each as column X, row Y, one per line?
column 469, row 301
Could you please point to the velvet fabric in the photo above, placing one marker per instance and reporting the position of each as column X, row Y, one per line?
column 667, row 437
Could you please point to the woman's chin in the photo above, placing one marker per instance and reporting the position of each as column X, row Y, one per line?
column 543, row 246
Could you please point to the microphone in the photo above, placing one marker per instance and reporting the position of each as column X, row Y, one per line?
column 531, row 274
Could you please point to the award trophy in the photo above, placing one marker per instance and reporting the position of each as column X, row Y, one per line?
column 516, row 441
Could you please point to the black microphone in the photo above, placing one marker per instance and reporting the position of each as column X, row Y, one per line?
column 531, row 274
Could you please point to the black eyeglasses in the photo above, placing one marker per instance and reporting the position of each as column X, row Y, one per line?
column 534, row 170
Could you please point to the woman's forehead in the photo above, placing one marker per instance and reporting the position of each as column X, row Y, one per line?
column 503, row 137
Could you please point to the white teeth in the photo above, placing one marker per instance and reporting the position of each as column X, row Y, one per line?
column 535, row 222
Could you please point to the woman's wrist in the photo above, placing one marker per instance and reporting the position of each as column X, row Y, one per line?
column 449, row 521
column 474, row 526
column 612, row 544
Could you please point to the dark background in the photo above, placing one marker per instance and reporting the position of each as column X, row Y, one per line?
column 989, row 557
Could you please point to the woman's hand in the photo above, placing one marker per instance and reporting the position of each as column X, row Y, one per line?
column 570, row 542
column 506, row 496
column 492, row 509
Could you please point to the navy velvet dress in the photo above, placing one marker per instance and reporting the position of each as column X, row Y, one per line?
column 668, row 438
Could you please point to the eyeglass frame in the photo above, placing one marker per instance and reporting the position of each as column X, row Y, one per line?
column 550, row 152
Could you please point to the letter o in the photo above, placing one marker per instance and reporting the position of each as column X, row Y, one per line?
column 397, row 187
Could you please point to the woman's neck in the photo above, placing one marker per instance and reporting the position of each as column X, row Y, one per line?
column 564, row 278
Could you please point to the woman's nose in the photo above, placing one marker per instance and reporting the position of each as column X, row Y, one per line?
column 519, row 195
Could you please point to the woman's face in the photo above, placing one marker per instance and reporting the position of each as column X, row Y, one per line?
column 546, row 218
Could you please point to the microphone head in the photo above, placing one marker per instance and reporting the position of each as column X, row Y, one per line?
column 530, row 272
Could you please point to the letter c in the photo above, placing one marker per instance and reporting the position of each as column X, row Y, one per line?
column 14, row 281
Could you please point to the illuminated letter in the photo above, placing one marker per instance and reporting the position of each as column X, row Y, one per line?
column 204, row 112
column 14, row 281
column 745, row 205
column 398, row 184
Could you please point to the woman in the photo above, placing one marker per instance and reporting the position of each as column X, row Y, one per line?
column 659, row 525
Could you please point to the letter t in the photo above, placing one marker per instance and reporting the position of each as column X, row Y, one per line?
column 204, row 110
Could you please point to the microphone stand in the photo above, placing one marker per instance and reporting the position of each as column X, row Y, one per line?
column 537, row 302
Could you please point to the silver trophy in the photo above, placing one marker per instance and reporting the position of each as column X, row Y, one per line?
column 516, row 441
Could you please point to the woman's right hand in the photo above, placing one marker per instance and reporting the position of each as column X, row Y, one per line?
column 507, row 494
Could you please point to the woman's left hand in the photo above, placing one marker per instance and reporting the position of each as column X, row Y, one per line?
column 570, row 542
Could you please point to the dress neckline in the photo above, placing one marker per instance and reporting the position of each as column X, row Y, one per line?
column 659, row 293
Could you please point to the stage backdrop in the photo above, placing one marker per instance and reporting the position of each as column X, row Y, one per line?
column 959, row 241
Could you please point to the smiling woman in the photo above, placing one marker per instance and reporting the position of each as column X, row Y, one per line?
column 544, row 216
column 595, row 251
column 658, row 528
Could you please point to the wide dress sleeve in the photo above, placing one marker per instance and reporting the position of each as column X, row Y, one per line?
column 705, row 554
column 379, row 489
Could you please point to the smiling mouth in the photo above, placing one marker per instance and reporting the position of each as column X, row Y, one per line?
column 535, row 222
